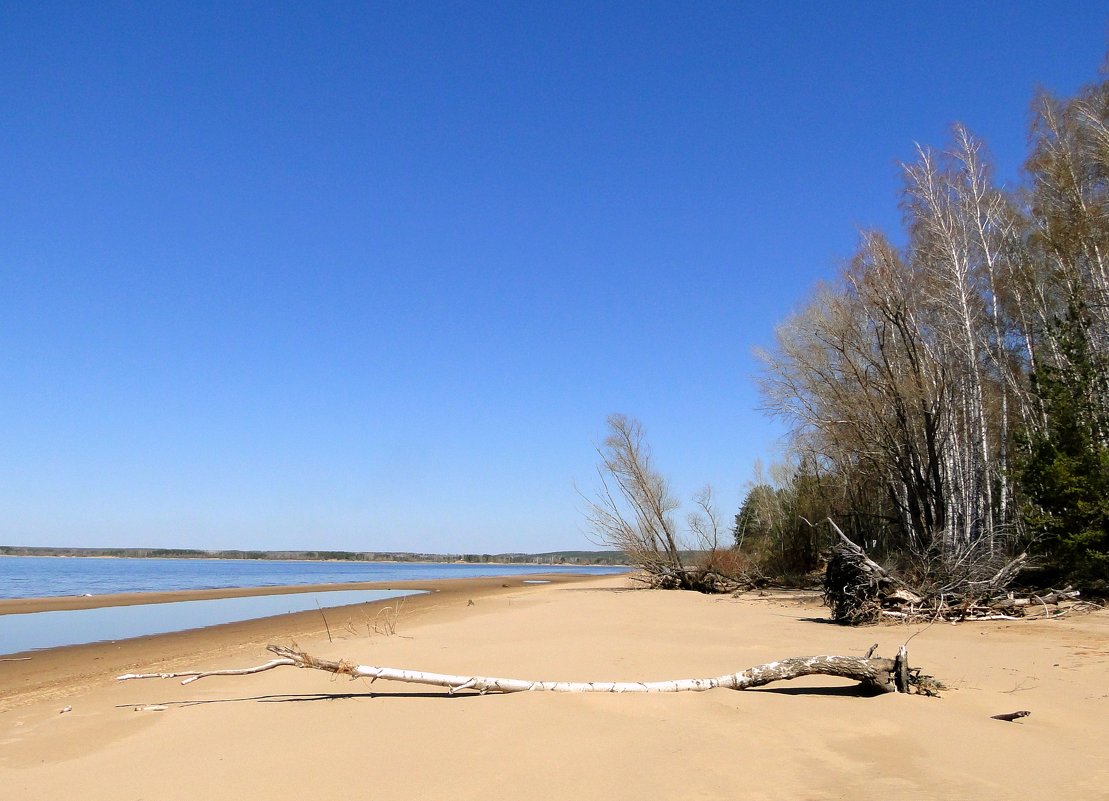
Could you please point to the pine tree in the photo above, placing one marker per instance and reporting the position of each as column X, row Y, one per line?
column 1065, row 475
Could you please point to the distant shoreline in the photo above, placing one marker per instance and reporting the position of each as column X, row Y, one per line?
column 550, row 558
column 59, row 603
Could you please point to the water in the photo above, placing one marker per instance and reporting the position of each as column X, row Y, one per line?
column 34, row 630
column 34, row 576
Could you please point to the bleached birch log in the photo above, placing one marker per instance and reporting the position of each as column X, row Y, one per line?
column 882, row 675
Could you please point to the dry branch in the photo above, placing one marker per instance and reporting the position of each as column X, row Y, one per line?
column 874, row 673
column 859, row 591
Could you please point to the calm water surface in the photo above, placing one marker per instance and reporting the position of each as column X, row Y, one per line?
column 35, row 576
column 34, row 630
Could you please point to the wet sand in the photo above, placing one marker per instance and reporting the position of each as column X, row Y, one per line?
column 58, row 603
column 55, row 672
column 304, row 733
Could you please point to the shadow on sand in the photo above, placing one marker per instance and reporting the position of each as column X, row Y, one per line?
column 303, row 697
column 844, row 691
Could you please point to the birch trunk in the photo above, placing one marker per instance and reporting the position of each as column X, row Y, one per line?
column 874, row 673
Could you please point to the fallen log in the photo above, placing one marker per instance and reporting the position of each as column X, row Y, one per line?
column 876, row 674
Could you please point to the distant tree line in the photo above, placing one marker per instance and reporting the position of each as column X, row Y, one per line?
column 549, row 558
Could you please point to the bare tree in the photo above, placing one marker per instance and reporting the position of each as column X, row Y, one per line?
column 634, row 510
column 918, row 378
column 899, row 378
column 704, row 523
column 864, row 393
column 1069, row 237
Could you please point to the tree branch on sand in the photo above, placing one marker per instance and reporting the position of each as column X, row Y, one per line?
column 875, row 674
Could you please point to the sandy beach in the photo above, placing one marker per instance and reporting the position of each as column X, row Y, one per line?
column 298, row 733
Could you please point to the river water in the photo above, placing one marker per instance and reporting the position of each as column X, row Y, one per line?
column 35, row 576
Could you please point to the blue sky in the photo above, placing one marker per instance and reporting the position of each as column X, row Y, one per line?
column 371, row 277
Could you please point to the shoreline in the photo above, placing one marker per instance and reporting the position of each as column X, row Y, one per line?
column 565, row 565
column 72, row 603
column 28, row 676
column 63, row 603
column 66, row 723
column 322, row 583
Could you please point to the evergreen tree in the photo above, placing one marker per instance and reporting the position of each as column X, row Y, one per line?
column 1065, row 475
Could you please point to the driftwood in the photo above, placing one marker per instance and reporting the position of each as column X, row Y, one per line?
column 873, row 673
column 669, row 577
column 857, row 588
column 1053, row 598
column 859, row 591
column 1011, row 716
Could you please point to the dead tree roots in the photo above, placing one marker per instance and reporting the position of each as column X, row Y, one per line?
column 860, row 591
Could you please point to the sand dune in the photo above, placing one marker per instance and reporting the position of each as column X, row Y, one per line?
column 302, row 733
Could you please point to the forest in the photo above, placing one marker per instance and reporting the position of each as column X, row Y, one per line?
column 946, row 399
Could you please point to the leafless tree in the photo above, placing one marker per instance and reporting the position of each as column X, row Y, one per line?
column 909, row 378
column 704, row 523
column 633, row 509
column 901, row 377
column 1069, row 219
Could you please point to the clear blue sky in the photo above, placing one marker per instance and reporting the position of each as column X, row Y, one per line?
column 367, row 277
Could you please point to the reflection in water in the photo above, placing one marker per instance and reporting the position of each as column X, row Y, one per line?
column 34, row 630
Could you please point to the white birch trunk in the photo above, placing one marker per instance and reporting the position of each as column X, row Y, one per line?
column 882, row 675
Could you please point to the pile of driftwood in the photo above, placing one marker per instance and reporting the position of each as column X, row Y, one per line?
column 700, row 580
column 860, row 591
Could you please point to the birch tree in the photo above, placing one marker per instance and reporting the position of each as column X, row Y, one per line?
column 1069, row 200
column 911, row 379
column 899, row 377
